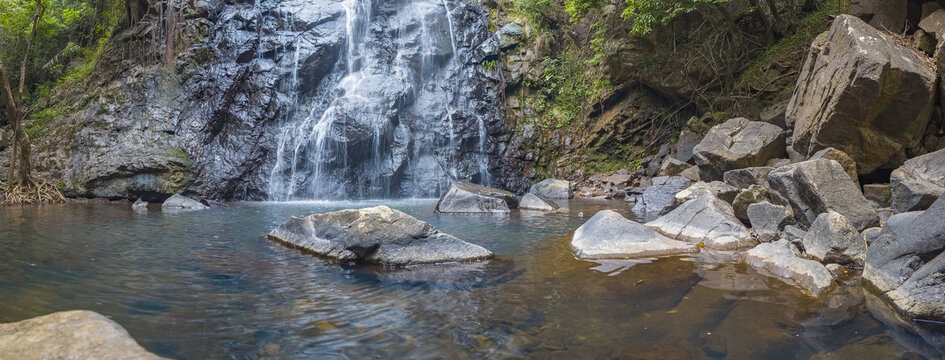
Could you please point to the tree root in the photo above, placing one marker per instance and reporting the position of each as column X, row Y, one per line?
column 34, row 191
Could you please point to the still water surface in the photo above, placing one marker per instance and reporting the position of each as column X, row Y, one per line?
column 209, row 285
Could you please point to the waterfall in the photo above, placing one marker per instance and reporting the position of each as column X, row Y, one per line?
column 391, row 119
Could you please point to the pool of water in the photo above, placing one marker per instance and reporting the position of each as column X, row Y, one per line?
column 210, row 285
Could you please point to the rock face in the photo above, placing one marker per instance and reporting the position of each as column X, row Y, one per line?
column 552, row 189
column 863, row 94
column 660, row 196
column 77, row 334
column 536, row 202
column 466, row 197
column 180, row 202
column 918, row 182
column 906, row 262
column 708, row 220
column 738, row 143
column 782, row 259
column 610, row 235
column 813, row 187
column 377, row 235
column 832, row 239
column 768, row 220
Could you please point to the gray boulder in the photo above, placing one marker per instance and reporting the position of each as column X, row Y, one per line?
column 77, row 334
column 687, row 141
column 768, row 220
column 609, row 235
column 881, row 14
column 862, row 93
column 743, row 178
column 673, row 167
column 706, row 220
column 537, row 202
column 510, row 35
column 378, row 235
column 140, row 205
column 781, row 259
column 813, row 187
column 692, row 173
column 180, row 202
column 832, row 239
column 918, row 182
column 738, row 143
column 553, row 189
column 718, row 189
column 906, row 262
column 870, row 235
column 744, row 199
column 466, row 197
column 849, row 166
column 659, row 198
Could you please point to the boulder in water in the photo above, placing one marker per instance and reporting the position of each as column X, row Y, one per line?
column 781, row 259
column 735, row 144
column 813, row 187
column 706, row 220
column 77, row 334
column 552, row 189
column 180, row 202
column 919, row 181
column 378, row 235
column 466, row 197
column 537, row 202
column 610, row 235
column 140, row 205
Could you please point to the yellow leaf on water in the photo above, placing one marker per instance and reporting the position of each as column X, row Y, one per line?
column 701, row 244
column 325, row 326
column 673, row 311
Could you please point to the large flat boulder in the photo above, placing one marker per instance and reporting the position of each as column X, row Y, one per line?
column 918, row 182
column 609, row 235
column 706, row 220
column 735, row 144
column 77, row 334
column 466, row 197
column 379, row 235
column 782, row 259
column 906, row 262
column 862, row 93
column 660, row 197
column 180, row 202
column 553, row 189
column 832, row 239
column 537, row 202
column 814, row 187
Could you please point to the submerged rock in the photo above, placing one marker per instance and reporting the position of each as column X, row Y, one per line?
column 707, row 220
column 660, row 197
column 832, row 239
column 140, row 205
column 77, row 334
column 862, row 93
column 610, row 235
column 466, row 197
column 738, row 143
column 537, row 202
column 919, row 181
column 378, row 235
column 552, row 189
column 906, row 262
column 781, row 259
column 813, row 187
column 180, row 202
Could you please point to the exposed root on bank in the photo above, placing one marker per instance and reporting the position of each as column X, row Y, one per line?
column 33, row 191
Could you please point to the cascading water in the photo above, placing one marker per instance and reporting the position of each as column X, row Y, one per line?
column 391, row 119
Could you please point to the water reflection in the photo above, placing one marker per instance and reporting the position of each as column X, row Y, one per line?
column 210, row 285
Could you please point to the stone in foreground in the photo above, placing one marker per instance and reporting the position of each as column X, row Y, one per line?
column 180, row 202
column 918, row 182
column 552, row 189
column 768, row 220
column 862, row 93
column 813, row 187
column 660, row 197
column 906, row 262
column 609, row 235
column 780, row 258
column 707, row 220
column 466, row 197
column 738, row 143
column 378, row 235
column 832, row 239
column 77, row 334
column 537, row 202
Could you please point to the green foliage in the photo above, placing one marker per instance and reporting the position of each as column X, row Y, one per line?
column 567, row 89
column 650, row 14
column 490, row 65
column 178, row 153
